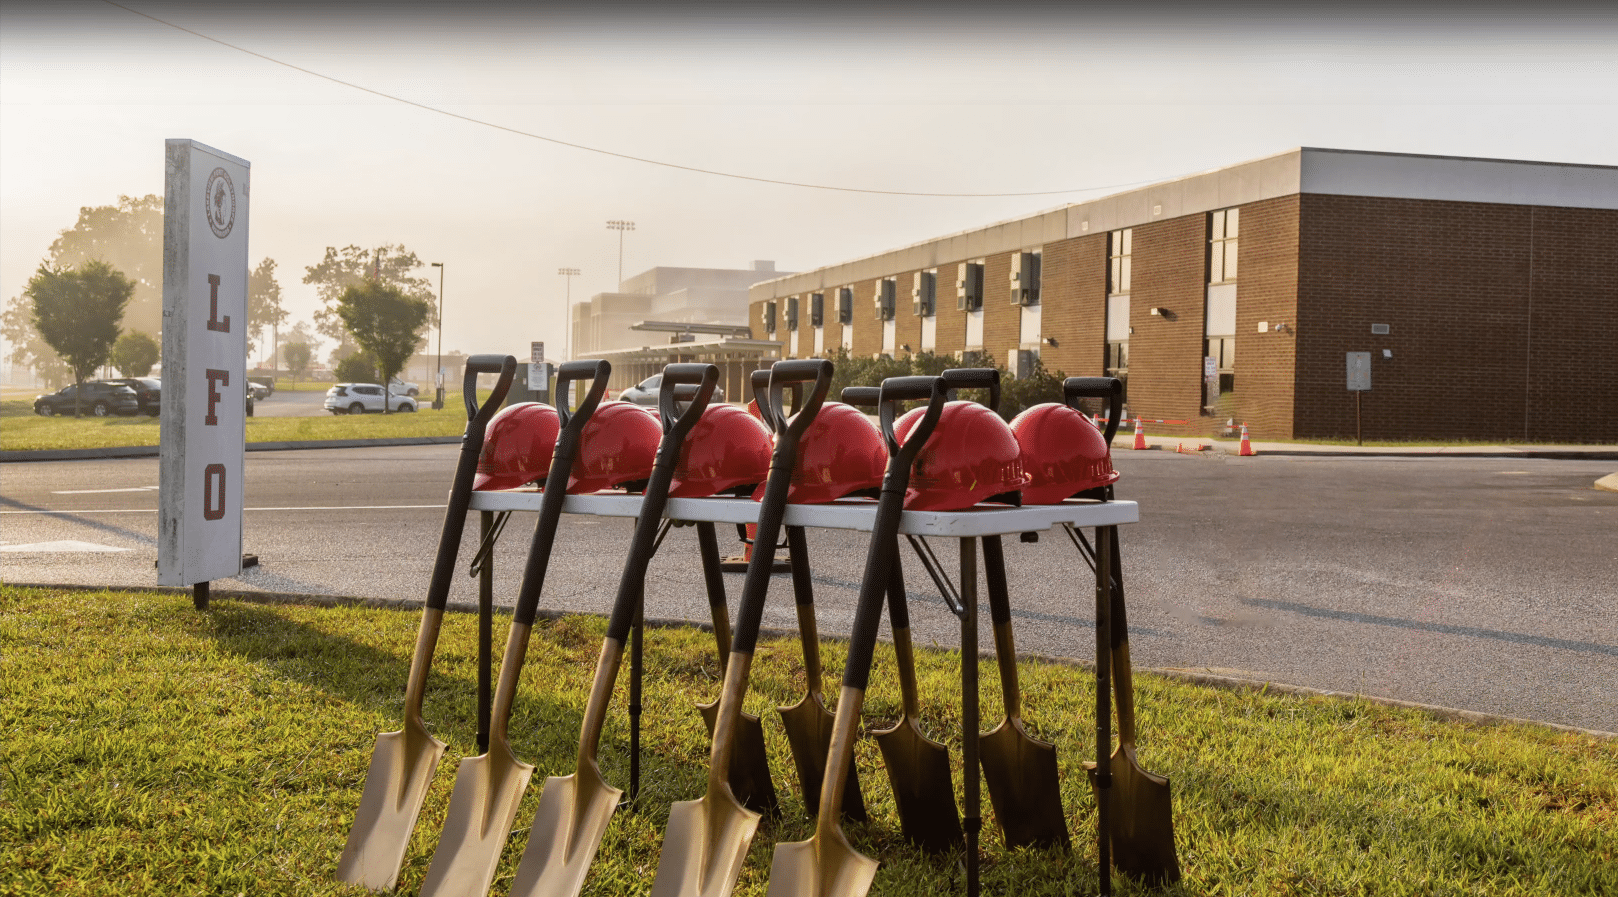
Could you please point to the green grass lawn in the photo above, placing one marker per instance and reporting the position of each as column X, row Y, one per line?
column 21, row 429
column 152, row 749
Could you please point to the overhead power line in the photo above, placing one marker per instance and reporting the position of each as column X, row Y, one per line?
column 594, row 149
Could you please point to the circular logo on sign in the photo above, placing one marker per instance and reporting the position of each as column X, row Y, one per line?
column 220, row 203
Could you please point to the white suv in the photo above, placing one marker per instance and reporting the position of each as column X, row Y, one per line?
column 358, row 398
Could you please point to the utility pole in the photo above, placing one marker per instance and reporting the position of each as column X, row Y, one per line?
column 438, row 373
column 620, row 227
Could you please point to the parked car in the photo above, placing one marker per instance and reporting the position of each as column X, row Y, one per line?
column 266, row 386
column 645, row 392
column 403, row 388
column 358, row 398
column 148, row 391
column 98, row 397
column 258, row 390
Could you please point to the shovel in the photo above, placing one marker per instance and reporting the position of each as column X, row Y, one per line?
column 1020, row 770
column 750, row 778
column 489, row 787
column 918, row 767
column 826, row 865
column 403, row 762
column 708, row 838
column 574, row 810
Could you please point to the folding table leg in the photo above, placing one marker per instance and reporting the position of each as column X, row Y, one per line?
column 1103, row 778
column 485, row 629
column 972, row 817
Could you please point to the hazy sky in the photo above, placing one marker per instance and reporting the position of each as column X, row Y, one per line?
column 927, row 99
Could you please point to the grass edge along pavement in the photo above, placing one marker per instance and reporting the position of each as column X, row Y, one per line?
column 153, row 749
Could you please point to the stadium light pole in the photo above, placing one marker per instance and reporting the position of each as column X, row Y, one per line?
column 620, row 227
column 567, row 313
column 438, row 373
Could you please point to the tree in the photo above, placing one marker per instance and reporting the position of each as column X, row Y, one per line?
column 134, row 354
column 129, row 237
column 351, row 266
column 264, row 307
column 77, row 312
column 356, row 368
column 297, row 355
column 26, row 348
column 385, row 322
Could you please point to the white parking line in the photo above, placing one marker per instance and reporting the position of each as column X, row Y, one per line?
column 101, row 491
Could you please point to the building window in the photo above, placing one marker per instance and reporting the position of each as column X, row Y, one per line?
column 1222, row 226
column 817, row 309
column 769, row 317
column 792, row 312
column 845, row 305
column 1118, row 256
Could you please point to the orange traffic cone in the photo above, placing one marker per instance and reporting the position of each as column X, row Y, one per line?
column 1247, row 445
column 1140, row 436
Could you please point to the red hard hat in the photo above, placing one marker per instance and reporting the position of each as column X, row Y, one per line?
column 1063, row 452
column 970, row 456
column 840, row 453
column 618, row 445
column 727, row 448
column 517, row 446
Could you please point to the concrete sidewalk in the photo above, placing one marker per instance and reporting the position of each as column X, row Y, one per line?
column 1124, row 443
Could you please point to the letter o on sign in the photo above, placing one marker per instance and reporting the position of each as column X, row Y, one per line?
column 213, row 492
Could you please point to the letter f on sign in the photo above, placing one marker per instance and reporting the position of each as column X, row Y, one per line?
column 216, row 379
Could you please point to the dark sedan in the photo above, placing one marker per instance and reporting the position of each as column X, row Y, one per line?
column 148, row 391
column 97, row 397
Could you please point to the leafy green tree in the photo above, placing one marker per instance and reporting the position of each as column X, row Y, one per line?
column 385, row 322
column 134, row 354
column 297, row 355
column 356, row 368
column 129, row 237
column 340, row 269
column 26, row 348
column 264, row 307
column 77, row 312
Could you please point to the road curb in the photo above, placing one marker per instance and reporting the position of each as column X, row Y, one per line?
column 151, row 451
column 1227, row 683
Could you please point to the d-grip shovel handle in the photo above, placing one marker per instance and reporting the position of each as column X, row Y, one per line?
column 466, row 467
column 632, row 584
column 862, row 396
column 505, row 366
column 1110, row 388
column 550, row 504
column 975, row 378
column 794, row 373
column 889, row 508
column 760, row 382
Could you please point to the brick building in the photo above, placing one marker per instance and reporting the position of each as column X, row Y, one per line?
column 1479, row 297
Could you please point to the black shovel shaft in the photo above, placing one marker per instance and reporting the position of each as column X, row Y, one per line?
column 550, row 503
column 632, row 584
column 466, row 468
column 994, row 564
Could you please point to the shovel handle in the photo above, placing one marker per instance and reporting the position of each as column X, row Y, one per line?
column 862, row 396
column 797, row 374
column 505, row 366
column 803, row 593
column 703, row 376
column 597, row 372
column 1005, row 647
column 760, row 381
column 974, row 378
column 899, row 620
column 1109, row 388
column 1123, row 682
column 714, row 579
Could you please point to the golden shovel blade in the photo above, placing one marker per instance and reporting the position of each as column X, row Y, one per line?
column 820, row 867
column 567, row 831
column 750, row 777
column 402, row 766
column 1024, row 786
column 1140, row 820
column 706, row 843
column 918, row 769
column 808, row 726
column 482, row 808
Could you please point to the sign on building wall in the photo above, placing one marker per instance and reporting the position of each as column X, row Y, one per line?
column 203, row 436
column 1359, row 371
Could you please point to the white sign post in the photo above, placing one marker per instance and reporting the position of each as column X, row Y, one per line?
column 204, row 413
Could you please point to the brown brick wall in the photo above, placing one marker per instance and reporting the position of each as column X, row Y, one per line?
column 950, row 336
column 1466, row 289
column 907, row 327
column 1266, row 290
column 867, row 329
column 1002, row 321
column 1073, row 291
column 1165, row 353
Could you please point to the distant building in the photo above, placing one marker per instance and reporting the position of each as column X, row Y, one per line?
column 713, row 301
column 1478, row 298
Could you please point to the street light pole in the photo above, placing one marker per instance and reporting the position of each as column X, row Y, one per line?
column 438, row 373
column 620, row 227
column 567, row 313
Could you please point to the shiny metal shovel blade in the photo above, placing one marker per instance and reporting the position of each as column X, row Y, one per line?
column 707, row 841
column 1140, row 820
column 918, row 769
column 1024, row 786
column 482, row 808
column 568, row 827
column 402, row 766
column 820, row 867
column 808, row 724
column 750, row 777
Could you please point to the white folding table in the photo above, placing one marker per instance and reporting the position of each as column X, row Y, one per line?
column 860, row 514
